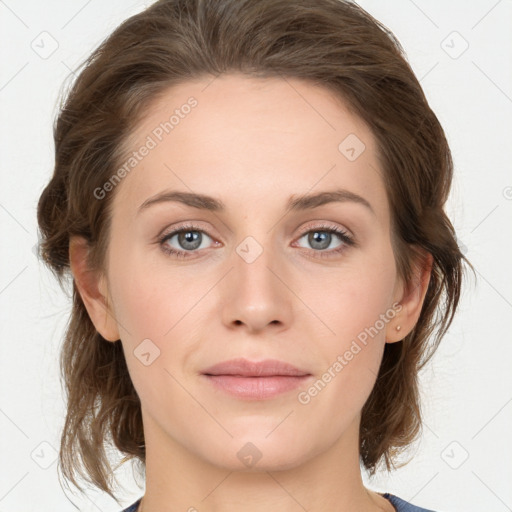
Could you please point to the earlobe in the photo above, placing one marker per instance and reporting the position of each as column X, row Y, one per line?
column 93, row 289
column 412, row 299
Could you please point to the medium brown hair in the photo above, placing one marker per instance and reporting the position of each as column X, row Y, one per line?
column 330, row 43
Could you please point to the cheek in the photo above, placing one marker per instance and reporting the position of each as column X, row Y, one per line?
column 355, row 317
column 154, row 311
column 357, row 314
column 158, row 309
column 152, row 299
column 352, row 302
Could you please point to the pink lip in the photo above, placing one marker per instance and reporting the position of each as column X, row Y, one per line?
column 255, row 380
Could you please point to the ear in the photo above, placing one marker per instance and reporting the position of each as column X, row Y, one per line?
column 92, row 287
column 411, row 298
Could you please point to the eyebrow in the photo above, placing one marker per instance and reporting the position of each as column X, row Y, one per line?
column 304, row 202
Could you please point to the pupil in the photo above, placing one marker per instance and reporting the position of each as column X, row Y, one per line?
column 188, row 239
column 321, row 237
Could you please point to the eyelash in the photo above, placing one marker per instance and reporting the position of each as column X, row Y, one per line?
column 347, row 240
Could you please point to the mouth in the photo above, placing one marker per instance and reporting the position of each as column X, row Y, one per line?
column 255, row 380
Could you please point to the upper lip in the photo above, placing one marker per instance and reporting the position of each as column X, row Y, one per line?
column 246, row 368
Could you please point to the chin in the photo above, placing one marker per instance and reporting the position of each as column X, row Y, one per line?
column 256, row 453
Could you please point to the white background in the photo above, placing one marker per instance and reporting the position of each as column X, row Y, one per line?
column 467, row 387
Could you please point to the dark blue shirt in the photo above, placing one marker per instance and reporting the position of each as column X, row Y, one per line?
column 400, row 505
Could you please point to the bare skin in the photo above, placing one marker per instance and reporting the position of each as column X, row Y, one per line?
column 252, row 144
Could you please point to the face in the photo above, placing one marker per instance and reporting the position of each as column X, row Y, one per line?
column 252, row 273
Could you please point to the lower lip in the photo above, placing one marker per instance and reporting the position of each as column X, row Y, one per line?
column 256, row 388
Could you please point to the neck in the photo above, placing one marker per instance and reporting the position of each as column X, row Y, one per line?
column 330, row 481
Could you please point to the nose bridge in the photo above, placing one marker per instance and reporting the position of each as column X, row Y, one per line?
column 255, row 296
column 252, row 262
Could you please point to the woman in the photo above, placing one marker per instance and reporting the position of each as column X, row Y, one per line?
column 249, row 196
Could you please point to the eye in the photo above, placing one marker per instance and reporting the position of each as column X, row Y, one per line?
column 322, row 237
column 186, row 239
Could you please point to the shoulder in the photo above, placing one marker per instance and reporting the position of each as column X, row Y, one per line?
column 402, row 505
column 133, row 507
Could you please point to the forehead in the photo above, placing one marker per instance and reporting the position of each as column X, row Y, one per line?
column 248, row 140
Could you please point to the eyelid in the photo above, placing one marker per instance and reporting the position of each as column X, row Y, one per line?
column 192, row 225
column 324, row 225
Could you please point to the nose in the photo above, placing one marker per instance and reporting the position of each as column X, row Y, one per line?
column 256, row 295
